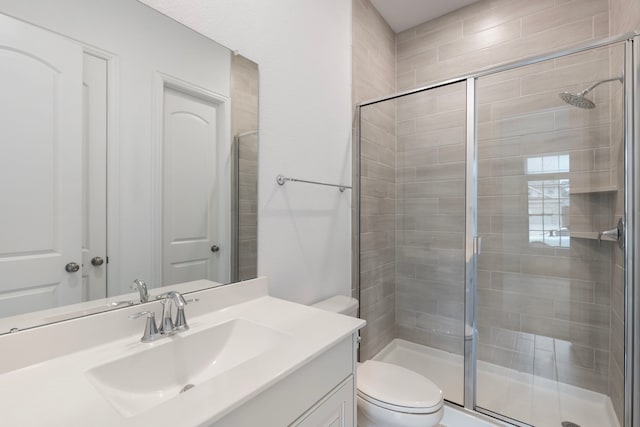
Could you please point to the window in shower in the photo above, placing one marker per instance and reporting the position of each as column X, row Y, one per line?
column 548, row 200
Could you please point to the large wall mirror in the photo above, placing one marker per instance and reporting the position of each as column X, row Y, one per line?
column 128, row 150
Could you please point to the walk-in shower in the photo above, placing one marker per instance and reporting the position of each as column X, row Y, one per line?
column 487, row 253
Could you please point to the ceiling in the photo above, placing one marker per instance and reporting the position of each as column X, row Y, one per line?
column 404, row 14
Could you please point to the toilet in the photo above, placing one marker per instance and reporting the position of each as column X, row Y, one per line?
column 390, row 395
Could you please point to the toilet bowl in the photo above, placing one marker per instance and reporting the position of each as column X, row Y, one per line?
column 390, row 395
column 393, row 396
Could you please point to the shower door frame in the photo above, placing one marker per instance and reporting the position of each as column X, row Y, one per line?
column 472, row 240
column 632, row 198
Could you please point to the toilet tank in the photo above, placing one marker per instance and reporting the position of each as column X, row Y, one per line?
column 339, row 304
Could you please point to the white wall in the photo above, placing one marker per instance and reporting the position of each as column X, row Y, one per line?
column 303, row 50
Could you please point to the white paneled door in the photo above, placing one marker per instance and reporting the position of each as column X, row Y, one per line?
column 40, row 172
column 190, row 243
column 94, row 178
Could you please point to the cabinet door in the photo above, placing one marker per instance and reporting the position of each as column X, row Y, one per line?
column 335, row 410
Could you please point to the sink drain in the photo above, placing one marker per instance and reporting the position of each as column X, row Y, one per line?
column 569, row 424
column 190, row 386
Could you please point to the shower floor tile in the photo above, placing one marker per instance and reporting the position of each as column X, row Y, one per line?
column 528, row 398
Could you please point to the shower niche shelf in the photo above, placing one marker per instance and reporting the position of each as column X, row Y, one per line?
column 591, row 235
column 607, row 189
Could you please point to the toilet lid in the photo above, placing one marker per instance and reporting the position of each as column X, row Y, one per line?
column 397, row 388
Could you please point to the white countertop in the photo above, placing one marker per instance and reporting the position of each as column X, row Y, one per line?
column 57, row 391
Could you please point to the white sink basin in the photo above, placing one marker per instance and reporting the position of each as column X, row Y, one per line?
column 138, row 382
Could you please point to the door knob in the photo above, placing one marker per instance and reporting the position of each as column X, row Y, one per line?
column 97, row 261
column 72, row 267
column 215, row 248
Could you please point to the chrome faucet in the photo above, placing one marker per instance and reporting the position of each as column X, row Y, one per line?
column 168, row 326
column 141, row 287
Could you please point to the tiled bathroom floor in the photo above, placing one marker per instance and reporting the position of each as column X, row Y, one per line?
column 525, row 397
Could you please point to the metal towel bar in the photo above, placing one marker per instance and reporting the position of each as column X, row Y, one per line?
column 281, row 179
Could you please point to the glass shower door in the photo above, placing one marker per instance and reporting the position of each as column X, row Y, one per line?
column 550, row 283
column 412, row 234
column 430, row 238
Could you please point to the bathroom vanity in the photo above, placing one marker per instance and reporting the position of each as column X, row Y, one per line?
column 247, row 359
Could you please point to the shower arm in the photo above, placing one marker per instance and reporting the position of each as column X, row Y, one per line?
column 593, row 86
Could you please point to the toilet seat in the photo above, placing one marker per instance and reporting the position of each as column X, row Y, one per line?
column 397, row 389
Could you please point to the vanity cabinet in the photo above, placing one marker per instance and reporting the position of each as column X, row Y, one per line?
column 319, row 394
column 335, row 410
column 251, row 359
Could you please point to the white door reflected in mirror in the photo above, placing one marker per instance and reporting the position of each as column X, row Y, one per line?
column 191, row 198
column 40, row 168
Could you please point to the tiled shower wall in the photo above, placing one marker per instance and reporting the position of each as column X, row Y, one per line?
column 244, row 118
column 492, row 32
column 374, row 76
column 431, row 218
column 624, row 16
column 481, row 35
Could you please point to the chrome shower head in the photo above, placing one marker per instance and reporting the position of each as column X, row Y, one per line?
column 579, row 100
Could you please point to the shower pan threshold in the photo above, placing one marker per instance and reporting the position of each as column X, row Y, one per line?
column 544, row 402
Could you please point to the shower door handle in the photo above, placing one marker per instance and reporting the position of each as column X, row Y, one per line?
column 477, row 245
column 611, row 234
column 614, row 235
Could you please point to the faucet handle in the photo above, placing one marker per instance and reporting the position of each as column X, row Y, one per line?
column 149, row 314
column 186, row 301
column 120, row 304
column 151, row 332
